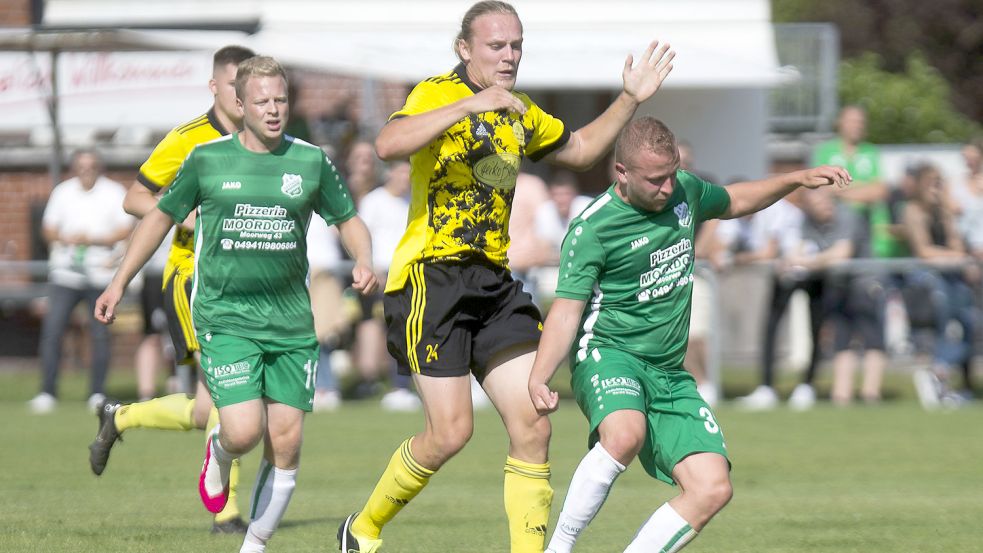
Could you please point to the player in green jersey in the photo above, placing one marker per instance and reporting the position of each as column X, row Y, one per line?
column 254, row 193
column 628, row 259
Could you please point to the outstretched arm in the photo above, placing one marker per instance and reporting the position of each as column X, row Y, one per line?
column 588, row 144
column 404, row 136
column 753, row 196
column 146, row 239
column 559, row 332
column 357, row 240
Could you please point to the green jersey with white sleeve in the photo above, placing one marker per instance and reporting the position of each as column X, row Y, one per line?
column 253, row 211
column 634, row 268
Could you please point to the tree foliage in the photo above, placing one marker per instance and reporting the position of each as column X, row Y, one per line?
column 912, row 106
column 949, row 33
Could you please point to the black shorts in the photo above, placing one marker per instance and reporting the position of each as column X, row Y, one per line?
column 451, row 318
column 152, row 303
column 177, row 307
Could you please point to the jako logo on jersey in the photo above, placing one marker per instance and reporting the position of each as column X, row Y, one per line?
column 685, row 217
column 292, row 185
column 231, row 185
column 639, row 242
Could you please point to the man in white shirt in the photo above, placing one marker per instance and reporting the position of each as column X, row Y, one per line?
column 565, row 203
column 84, row 225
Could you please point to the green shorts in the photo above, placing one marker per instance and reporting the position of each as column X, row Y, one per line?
column 680, row 423
column 238, row 369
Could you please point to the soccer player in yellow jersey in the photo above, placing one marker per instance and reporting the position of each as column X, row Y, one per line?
column 178, row 411
column 451, row 304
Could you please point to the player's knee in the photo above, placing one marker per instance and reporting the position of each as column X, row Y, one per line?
column 241, row 440
column 714, row 495
column 533, row 434
column 622, row 444
column 450, row 439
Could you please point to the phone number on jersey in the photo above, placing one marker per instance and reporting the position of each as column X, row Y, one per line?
column 266, row 246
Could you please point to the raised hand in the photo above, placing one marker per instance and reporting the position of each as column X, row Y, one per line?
column 825, row 175
column 645, row 78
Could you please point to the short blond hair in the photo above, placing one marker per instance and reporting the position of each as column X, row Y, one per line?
column 645, row 133
column 257, row 66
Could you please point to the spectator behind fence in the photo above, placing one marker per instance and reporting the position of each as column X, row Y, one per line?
column 868, row 194
column 770, row 236
column 565, row 202
column 529, row 253
column 84, row 224
column 968, row 194
column 332, row 317
column 854, row 299
column 361, row 169
column 828, row 235
column 933, row 237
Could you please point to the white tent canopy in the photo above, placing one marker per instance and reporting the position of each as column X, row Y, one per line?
column 569, row 44
column 715, row 97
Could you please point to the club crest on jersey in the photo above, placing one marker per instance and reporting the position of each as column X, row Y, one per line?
column 685, row 217
column 292, row 185
column 519, row 133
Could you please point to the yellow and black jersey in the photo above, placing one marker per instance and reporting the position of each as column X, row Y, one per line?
column 159, row 170
column 464, row 180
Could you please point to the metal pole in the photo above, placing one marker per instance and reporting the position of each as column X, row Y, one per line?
column 54, row 166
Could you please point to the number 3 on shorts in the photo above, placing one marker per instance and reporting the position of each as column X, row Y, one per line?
column 710, row 424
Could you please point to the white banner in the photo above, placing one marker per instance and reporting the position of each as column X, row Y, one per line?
column 156, row 90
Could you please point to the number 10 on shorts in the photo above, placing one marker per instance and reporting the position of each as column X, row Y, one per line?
column 310, row 368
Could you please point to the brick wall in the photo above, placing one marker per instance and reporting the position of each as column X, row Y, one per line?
column 14, row 13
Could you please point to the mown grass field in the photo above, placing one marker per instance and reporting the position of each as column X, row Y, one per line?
column 890, row 478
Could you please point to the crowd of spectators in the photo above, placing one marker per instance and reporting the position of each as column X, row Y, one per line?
column 819, row 242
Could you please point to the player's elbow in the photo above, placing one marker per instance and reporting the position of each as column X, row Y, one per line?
column 386, row 147
column 129, row 206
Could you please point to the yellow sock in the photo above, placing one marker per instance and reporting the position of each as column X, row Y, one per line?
column 231, row 510
column 402, row 480
column 171, row 412
column 528, row 497
column 212, row 421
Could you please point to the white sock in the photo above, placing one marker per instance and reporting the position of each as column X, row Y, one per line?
column 664, row 531
column 588, row 489
column 224, row 460
column 250, row 547
column 271, row 495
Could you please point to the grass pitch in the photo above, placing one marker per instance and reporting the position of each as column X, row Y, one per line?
column 891, row 478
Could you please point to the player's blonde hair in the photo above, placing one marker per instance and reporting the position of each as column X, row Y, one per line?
column 645, row 132
column 474, row 12
column 257, row 66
